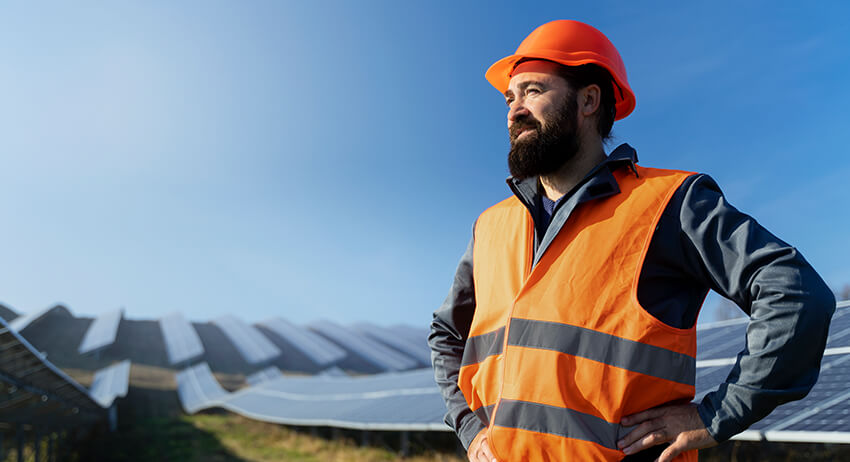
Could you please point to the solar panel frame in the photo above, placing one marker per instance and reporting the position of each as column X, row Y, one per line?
column 320, row 350
column 181, row 340
column 254, row 347
column 102, row 332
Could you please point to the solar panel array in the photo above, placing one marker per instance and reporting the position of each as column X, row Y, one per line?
column 317, row 348
column 181, row 341
column 392, row 401
column 250, row 342
column 411, row 401
column 102, row 331
column 382, row 356
column 822, row 416
column 389, row 401
column 110, row 383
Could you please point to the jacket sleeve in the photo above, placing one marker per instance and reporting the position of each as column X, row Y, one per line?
column 789, row 305
column 449, row 331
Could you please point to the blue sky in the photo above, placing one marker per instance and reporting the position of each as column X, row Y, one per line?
column 327, row 159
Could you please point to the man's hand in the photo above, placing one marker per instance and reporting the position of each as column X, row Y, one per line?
column 679, row 424
column 479, row 449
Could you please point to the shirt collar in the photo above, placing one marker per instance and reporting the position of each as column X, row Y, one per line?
column 599, row 182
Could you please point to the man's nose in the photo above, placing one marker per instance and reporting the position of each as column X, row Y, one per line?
column 516, row 110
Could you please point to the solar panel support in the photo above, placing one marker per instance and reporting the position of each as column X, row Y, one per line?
column 37, row 444
column 113, row 418
column 19, row 436
column 44, row 394
column 405, row 444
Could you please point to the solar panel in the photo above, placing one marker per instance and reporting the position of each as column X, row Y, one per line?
column 414, row 346
column 721, row 341
column 102, row 332
column 37, row 392
column 392, row 401
column 251, row 343
column 391, row 411
column 316, row 347
column 269, row 373
column 181, row 341
column 822, row 416
column 376, row 353
column 110, row 383
column 839, row 331
column 22, row 322
column 7, row 313
column 198, row 389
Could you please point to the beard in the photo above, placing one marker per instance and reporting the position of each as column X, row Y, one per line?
column 545, row 149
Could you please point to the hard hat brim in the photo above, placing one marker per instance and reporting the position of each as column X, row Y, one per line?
column 499, row 74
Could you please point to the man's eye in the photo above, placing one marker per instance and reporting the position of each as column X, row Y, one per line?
column 508, row 101
column 532, row 91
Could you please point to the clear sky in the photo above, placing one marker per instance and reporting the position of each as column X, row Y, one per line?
column 328, row 159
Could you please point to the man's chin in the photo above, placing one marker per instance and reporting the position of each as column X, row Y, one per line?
column 524, row 142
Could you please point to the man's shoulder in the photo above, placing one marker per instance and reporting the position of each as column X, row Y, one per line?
column 505, row 205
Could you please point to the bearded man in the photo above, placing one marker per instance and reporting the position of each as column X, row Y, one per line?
column 569, row 330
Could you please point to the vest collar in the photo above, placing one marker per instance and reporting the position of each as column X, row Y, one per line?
column 599, row 183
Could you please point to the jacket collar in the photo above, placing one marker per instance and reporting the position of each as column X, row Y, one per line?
column 598, row 183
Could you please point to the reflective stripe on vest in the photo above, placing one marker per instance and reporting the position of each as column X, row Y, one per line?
column 557, row 354
column 586, row 343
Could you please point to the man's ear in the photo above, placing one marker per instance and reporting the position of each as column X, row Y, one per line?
column 589, row 99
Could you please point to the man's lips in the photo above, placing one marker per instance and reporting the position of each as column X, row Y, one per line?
column 517, row 132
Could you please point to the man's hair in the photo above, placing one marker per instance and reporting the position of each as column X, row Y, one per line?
column 579, row 77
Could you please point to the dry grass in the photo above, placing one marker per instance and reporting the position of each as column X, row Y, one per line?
column 258, row 441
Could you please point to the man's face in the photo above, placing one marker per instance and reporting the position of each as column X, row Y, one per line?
column 542, row 120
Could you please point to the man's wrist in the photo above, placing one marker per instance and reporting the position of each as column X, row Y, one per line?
column 469, row 429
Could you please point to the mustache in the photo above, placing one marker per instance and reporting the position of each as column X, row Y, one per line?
column 522, row 124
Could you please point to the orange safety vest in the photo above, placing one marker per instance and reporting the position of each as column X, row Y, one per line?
column 558, row 354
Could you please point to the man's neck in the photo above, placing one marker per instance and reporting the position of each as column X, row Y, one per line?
column 571, row 173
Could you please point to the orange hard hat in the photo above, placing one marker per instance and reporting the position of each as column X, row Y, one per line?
column 570, row 43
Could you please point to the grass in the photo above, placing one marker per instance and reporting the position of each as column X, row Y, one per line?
column 223, row 437
column 258, row 441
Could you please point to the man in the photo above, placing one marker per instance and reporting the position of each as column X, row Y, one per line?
column 569, row 331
